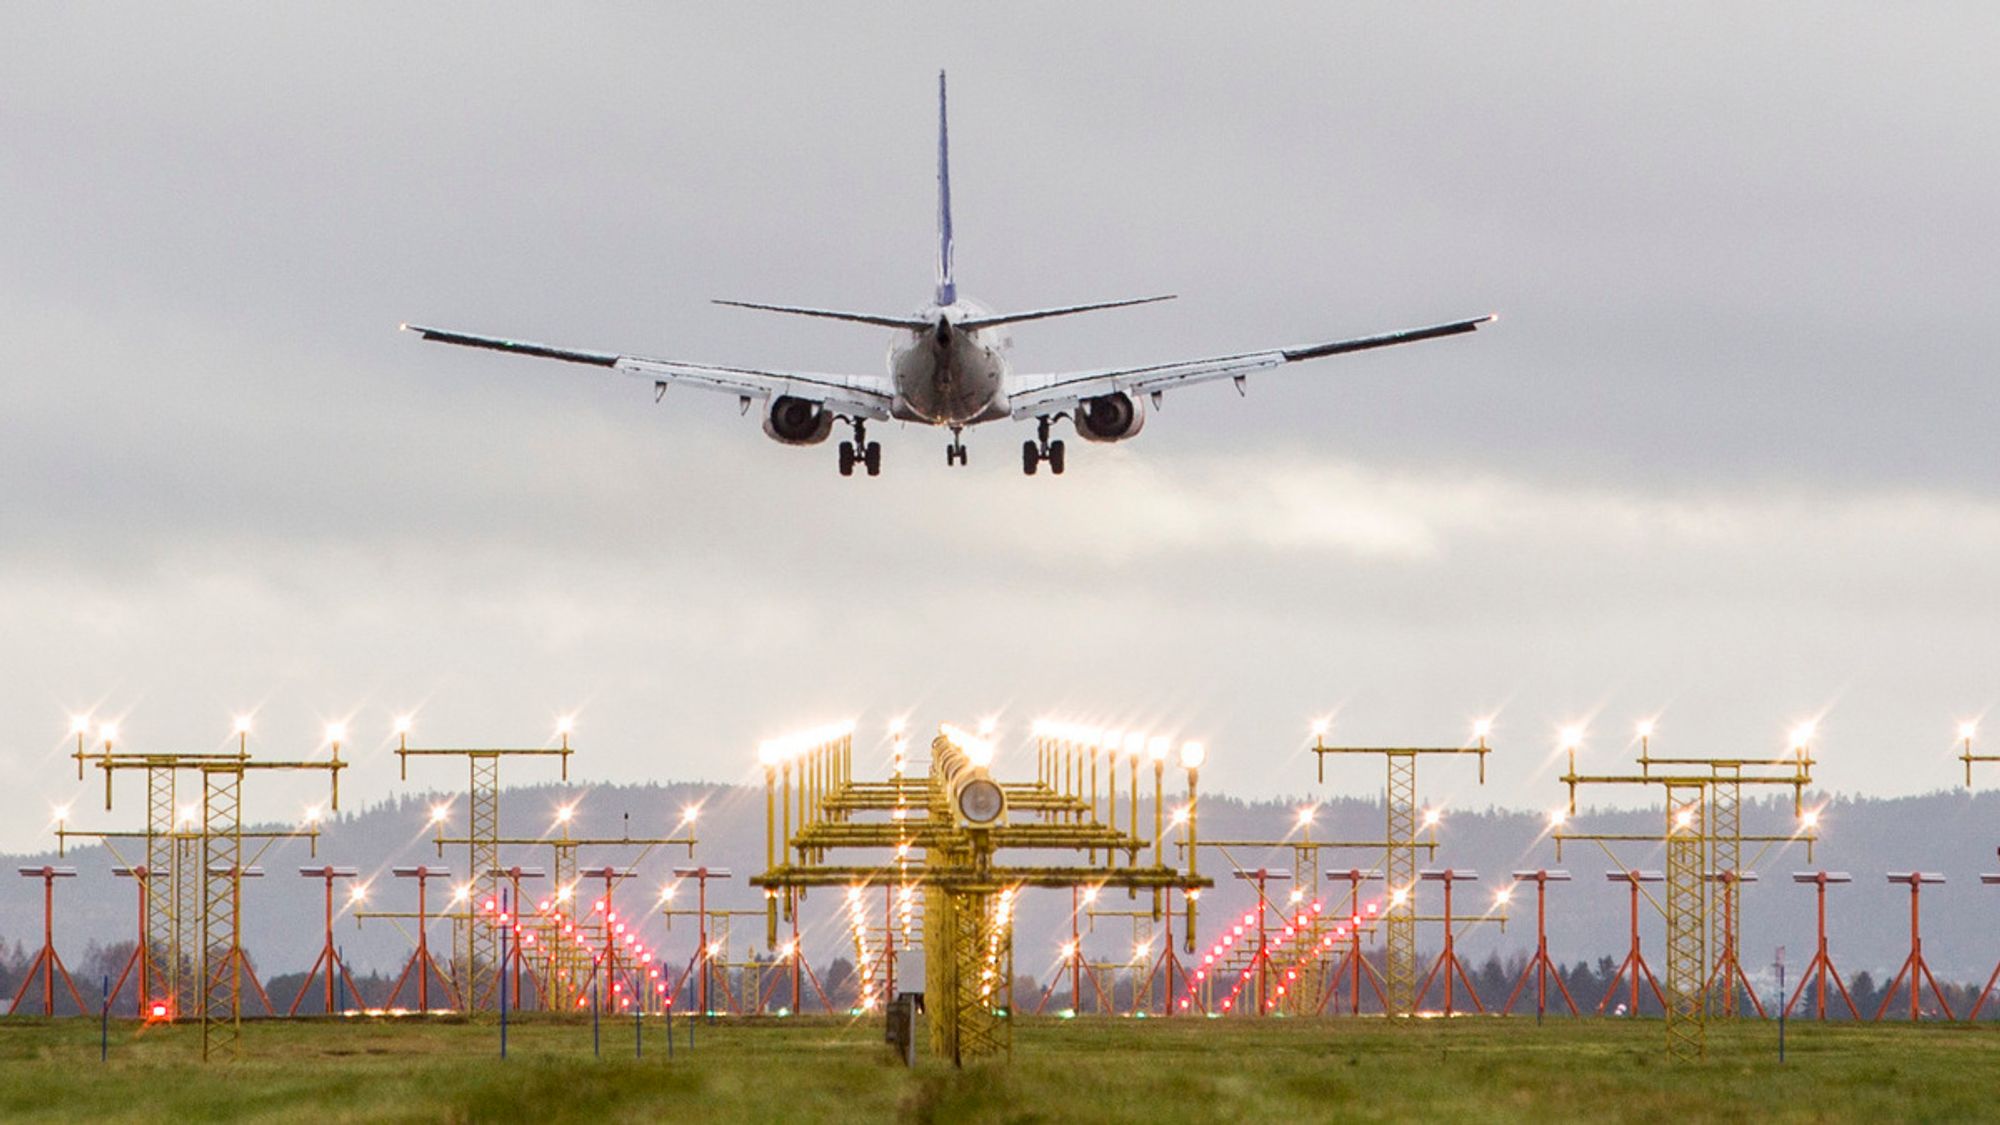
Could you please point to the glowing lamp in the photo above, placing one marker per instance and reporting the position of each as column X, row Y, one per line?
column 79, row 724
column 1192, row 755
column 566, row 724
column 1572, row 737
column 1809, row 818
column 242, row 724
column 108, row 732
column 1431, row 818
column 1802, row 734
column 1156, row 749
column 1319, row 728
column 336, row 732
column 1482, row 728
column 1967, row 730
column 402, row 724
column 1646, row 728
column 1557, row 817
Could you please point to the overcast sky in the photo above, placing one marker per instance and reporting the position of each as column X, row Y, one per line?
column 1727, row 458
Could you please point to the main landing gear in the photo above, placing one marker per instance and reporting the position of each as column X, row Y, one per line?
column 1042, row 449
column 861, row 451
column 954, row 454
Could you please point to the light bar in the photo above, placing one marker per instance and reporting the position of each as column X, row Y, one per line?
column 1262, row 873
column 1989, row 880
column 1444, row 874
column 1821, row 876
column 701, row 872
column 252, row 872
column 1553, row 876
column 422, row 872
column 46, row 872
column 1729, row 876
column 1915, row 877
column 608, row 872
column 1636, row 876
column 517, row 872
column 1356, row 874
column 330, row 872
column 132, row 872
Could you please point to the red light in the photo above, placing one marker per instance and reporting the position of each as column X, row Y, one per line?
column 159, row 1010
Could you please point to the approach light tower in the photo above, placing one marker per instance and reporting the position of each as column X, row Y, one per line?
column 1400, row 845
column 964, row 819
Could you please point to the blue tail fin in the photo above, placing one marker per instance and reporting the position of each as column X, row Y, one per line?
column 947, row 289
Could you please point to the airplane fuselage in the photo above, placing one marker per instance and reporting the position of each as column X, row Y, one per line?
column 946, row 376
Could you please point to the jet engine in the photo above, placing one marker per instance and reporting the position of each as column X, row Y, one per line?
column 795, row 421
column 1112, row 417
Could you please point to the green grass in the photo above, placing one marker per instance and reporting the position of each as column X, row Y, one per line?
column 1078, row 1070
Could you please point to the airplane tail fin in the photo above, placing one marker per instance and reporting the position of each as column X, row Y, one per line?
column 947, row 289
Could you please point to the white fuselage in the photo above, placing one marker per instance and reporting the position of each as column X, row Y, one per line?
column 947, row 377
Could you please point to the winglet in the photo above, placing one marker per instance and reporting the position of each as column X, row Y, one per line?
column 947, row 289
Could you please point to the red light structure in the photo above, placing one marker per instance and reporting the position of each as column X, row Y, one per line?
column 1448, row 961
column 48, row 964
column 515, row 956
column 1914, row 966
column 612, row 929
column 1260, row 955
column 421, row 962
column 1635, row 959
column 1728, row 969
column 1822, row 965
column 140, row 959
column 328, row 960
column 1353, row 969
column 1989, row 880
column 702, row 961
column 1540, row 966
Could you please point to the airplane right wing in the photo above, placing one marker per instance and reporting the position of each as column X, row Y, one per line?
column 861, row 396
column 1037, row 395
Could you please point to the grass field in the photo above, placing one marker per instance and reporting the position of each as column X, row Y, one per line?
column 1081, row 1070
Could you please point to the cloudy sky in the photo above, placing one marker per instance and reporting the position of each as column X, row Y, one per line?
column 1727, row 458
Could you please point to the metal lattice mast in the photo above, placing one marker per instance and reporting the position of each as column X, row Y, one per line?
column 1402, row 842
column 221, row 879
column 1686, row 906
column 162, row 965
column 1725, row 835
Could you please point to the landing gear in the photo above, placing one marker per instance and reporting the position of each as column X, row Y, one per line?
column 954, row 454
column 861, row 451
column 1042, row 449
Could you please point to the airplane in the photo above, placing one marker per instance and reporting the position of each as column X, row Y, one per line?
column 948, row 367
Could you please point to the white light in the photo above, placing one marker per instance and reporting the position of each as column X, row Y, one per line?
column 1684, row 818
column 1319, row 728
column 108, row 732
column 1802, row 734
column 1967, row 730
column 1809, row 818
column 1431, row 818
column 1110, row 740
column 1180, row 816
column 1135, row 743
column 439, row 813
column 689, row 814
column 1090, row 894
column 402, row 724
column 1502, row 896
column 1482, row 728
column 357, row 892
column 79, row 724
column 667, row 894
column 336, row 732
column 768, row 754
column 242, row 724
column 61, row 812
column 1192, row 755
column 312, row 814
column 1305, row 816
column 897, row 726
column 1646, row 728
column 566, row 724
column 1156, row 749
column 564, row 813
column 1557, row 817
column 987, row 726
column 1572, row 737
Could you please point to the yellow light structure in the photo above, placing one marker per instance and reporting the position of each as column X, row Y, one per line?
column 1702, row 836
column 963, row 820
column 477, row 965
column 1400, row 844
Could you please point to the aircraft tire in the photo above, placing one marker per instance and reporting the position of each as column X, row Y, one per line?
column 1030, row 457
column 873, row 459
column 1056, row 457
column 847, row 458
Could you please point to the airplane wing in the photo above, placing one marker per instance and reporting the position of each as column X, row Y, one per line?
column 1036, row 395
column 864, row 396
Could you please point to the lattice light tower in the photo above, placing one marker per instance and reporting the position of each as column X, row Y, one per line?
column 1690, row 786
column 962, row 819
column 1400, row 845
column 479, row 945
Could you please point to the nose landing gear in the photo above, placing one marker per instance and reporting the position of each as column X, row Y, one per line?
column 1042, row 449
column 954, row 454
column 860, row 451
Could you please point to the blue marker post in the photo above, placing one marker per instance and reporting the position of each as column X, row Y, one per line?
column 104, row 1040
column 503, row 972
column 639, row 1022
column 596, row 1038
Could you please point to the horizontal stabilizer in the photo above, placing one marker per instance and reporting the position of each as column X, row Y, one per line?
column 1064, row 310
column 909, row 322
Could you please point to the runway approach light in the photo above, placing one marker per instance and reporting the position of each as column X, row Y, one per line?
column 242, row 724
column 987, row 726
column 439, row 813
column 402, row 724
column 336, row 732
column 1646, row 728
column 313, row 814
column 1802, row 734
column 1319, row 728
column 1192, row 755
column 1684, row 819
column 1156, row 749
column 1431, row 818
column 897, row 726
column 1305, row 816
column 1572, row 737
column 1809, row 818
column 61, row 813
column 1482, row 728
column 108, row 732
column 1967, row 730
column 1557, row 817
column 79, row 724
column 564, row 813
column 689, row 813
column 566, row 725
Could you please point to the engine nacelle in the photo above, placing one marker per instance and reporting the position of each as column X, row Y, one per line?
column 795, row 421
column 1112, row 417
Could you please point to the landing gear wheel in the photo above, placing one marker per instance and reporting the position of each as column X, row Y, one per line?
column 873, row 458
column 1030, row 457
column 847, row 458
column 1055, row 457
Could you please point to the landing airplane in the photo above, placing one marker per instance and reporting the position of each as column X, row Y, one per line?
column 947, row 367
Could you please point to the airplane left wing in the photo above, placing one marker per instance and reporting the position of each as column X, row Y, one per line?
column 1037, row 395
column 863, row 396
